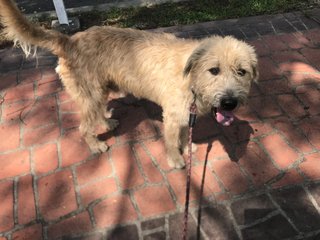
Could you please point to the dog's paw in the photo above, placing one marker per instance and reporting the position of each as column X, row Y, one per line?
column 99, row 147
column 112, row 124
column 186, row 149
column 177, row 162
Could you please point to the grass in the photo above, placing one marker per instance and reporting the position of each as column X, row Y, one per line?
column 188, row 12
column 170, row 14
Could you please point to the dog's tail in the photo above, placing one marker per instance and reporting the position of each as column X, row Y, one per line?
column 26, row 34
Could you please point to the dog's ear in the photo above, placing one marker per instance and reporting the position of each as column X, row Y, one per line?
column 193, row 59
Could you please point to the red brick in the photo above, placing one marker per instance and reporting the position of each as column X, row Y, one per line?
column 45, row 158
column 96, row 168
column 20, row 92
column 6, row 210
column 3, row 238
column 29, row 75
column 311, row 167
column 43, row 112
column 313, row 55
column 274, row 43
column 177, row 180
column 148, row 200
column 33, row 232
column 152, row 172
column 265, row 106
column 294, row 40
column 77, row 224
column 157, row 150
column 41, row 135
column 290, row 177
column 217, row 150
column 292, row 134
column 311, row 129
column 114, row 210
column 280, row 151
column 135, row 125
column 313, row 35
column 16, row 111
column 7, row 81
column 300, row 73
column 56, row 195
column 291, row 105
column 48, row 87
column 97, row 189
column 256, row 163
column 70, row 120
column 230, row 175
column 69, row 107
column 64, row 96
column 244, row 113
column 14, row 164
column 10, row 136
column 126, row 167
column 73, row 148
column 267, row 69
column 310, row 96
column 26, row 200
column 276, row 86
column 49, row 74
column 288, row 56
column 260, row 47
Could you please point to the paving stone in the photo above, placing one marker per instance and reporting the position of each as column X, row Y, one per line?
column 282, row 26
column 76, row 224
column 298, row 207
column 310, row 128
column 26, row 200
column 6, row 210
column 31, row 232
column 56, row 195
column 176, row 225
column 12, row 133
column 148, row 200
column 40, row 135
column 315, row 192
column 217, row 216
column 265, row 106
column 280, row 151
column 152, row 224
column 231, row 176
column 114, row 210
column 249, row 210
column 129, row 232
column 276, row 227
column 291, row 177
column 126, row 168
column 14, row 164
column 267, row 69
column 45, row 158
column 156, row 236
column 310, row 166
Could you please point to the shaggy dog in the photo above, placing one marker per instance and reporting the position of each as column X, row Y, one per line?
column 154, row 66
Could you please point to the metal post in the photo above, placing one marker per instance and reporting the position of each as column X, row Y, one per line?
column 61, row 12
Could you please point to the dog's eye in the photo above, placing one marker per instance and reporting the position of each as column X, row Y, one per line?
column 241, row 72
column 214, row 71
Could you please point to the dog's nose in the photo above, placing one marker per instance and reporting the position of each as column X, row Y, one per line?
column 228, row 104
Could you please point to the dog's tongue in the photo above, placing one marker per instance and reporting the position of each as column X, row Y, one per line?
column 224, row 117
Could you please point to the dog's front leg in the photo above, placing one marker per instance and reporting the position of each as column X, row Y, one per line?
column 172, row 130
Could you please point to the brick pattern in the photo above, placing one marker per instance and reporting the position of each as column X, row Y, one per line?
column 262, row 173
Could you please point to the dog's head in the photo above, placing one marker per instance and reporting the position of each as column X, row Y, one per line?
column 221, row 71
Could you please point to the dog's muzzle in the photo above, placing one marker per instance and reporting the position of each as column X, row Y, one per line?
column 223, row 113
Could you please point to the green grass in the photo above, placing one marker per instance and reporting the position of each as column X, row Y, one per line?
column 190, row 12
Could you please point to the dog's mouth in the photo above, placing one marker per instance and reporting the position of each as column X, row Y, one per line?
column 223, row 117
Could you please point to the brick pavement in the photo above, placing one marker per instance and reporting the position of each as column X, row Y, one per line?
column 262, row 174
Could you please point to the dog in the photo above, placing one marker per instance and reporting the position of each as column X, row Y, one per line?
column 216, row 72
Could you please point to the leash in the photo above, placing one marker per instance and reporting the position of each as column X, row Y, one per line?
column 192, row 121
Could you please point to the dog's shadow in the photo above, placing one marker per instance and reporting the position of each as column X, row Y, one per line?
column 131, row 112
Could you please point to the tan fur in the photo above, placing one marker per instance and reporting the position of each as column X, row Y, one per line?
column 158, row 67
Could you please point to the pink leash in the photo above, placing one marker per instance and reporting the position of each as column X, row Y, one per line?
column 192, row 121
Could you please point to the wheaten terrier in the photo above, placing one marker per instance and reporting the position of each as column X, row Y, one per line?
column 155, row 66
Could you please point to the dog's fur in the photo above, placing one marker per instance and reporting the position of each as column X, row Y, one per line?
column 155, row 66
